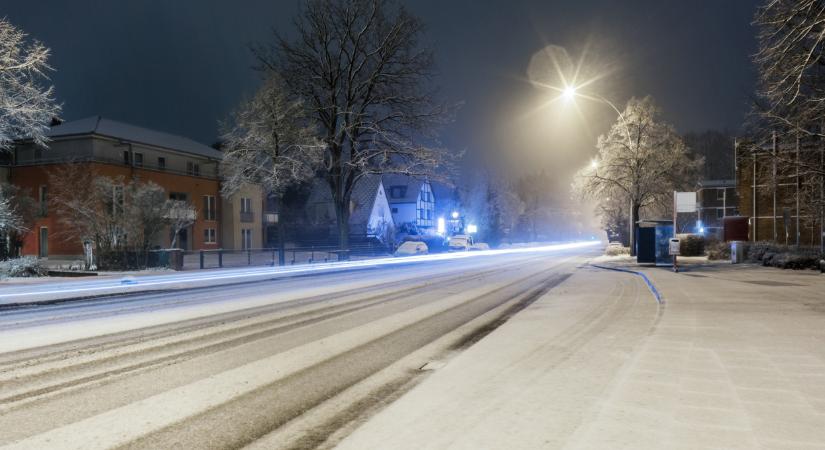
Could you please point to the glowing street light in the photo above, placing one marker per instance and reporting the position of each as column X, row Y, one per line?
column 472, row 229
column 594, row 163
column 569, row 93
column 455, row 214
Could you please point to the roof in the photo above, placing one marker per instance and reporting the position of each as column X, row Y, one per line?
column 413, row 187
column 364, row 194
column 102, row 126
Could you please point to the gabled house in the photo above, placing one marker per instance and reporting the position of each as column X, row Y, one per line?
column 411, row 201
column 369, row 210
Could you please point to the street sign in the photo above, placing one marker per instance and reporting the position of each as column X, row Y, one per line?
column 674, row 247
column 685, row 202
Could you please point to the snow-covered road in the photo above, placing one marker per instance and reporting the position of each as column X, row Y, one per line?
column 273, row 358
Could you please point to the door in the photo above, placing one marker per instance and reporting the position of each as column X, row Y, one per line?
column 44, row 242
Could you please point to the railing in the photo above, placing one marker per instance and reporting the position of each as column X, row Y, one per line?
column 247, row 216
column 115, row 161
column 210, row 259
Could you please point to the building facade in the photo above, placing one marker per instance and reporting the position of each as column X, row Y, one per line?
column 777, row 195
column 185, row 169
column 716, row 199
column 411, row 201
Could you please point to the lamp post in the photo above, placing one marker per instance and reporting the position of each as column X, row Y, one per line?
column 569, row 93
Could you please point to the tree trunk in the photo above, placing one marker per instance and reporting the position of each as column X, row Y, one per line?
column 281, row 232
column 342, row 216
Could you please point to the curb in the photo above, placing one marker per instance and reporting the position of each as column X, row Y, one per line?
column 649, row 283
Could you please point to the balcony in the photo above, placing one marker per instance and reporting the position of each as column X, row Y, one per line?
column 270, row 218
column 247, row 216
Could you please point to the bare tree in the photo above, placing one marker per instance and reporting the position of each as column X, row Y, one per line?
column 27, row 104
column 180, row 215
column 75, row 201
column 790, row 106
column 791, row 37
column 642, row 158
column 115, row 215
column 365, row 76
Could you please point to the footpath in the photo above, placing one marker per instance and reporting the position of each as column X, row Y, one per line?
column 733, row 358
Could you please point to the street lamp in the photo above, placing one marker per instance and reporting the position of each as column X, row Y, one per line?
column 569, row 93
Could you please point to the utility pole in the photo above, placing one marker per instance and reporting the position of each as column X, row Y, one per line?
column 797, row 189
column 773, row 182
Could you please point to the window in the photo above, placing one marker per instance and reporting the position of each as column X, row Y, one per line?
column 395, row 210
column 139, row 159
column 246, row 205
column 193, row 169
column 209, row 236
column 720, row 213
column 178, row 196
column 161, row 163
column 208, row 207
column 126, row 158
column 720, row 194
column 246, row 239
column 38, row 153
column 398, row 191
column 43, row 194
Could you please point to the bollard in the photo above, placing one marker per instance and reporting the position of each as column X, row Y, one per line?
column 249, row 257
column 220, row 258
column 201, row 255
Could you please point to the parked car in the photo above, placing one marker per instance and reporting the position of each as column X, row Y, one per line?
column 411, row 248
column 614, row 244
column 478, row 246
column 460, row 243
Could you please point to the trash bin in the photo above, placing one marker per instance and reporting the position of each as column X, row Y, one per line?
column 737, row 252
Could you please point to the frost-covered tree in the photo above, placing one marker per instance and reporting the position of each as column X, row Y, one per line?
column 27, row 103
column 19, row 212
column 180, row 215
column 269, row 142
column 642, row 158
column 365, row 75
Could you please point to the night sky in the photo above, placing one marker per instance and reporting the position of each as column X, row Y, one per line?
column 180, row 66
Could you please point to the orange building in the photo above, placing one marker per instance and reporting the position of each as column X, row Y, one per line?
column 185, row 169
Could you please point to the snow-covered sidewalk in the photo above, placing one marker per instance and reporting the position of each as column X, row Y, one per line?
column 734, row 358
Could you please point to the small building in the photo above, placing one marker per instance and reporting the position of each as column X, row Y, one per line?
column 411, row 201
column 716, row 199
column 369, row 217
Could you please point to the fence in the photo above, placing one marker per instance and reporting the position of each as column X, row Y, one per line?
column 209, row 259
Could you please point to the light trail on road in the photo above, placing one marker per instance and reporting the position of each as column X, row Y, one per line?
column 15, row 294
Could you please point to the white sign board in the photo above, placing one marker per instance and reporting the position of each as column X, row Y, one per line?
column 685, row 202
column 674, row 247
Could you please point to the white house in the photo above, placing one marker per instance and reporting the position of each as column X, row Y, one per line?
column 411, row 201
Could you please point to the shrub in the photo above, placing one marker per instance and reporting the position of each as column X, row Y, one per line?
column 691, row 245
column 718, row 250
column 784, row 257
column 617, row 251
column 26, row 266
